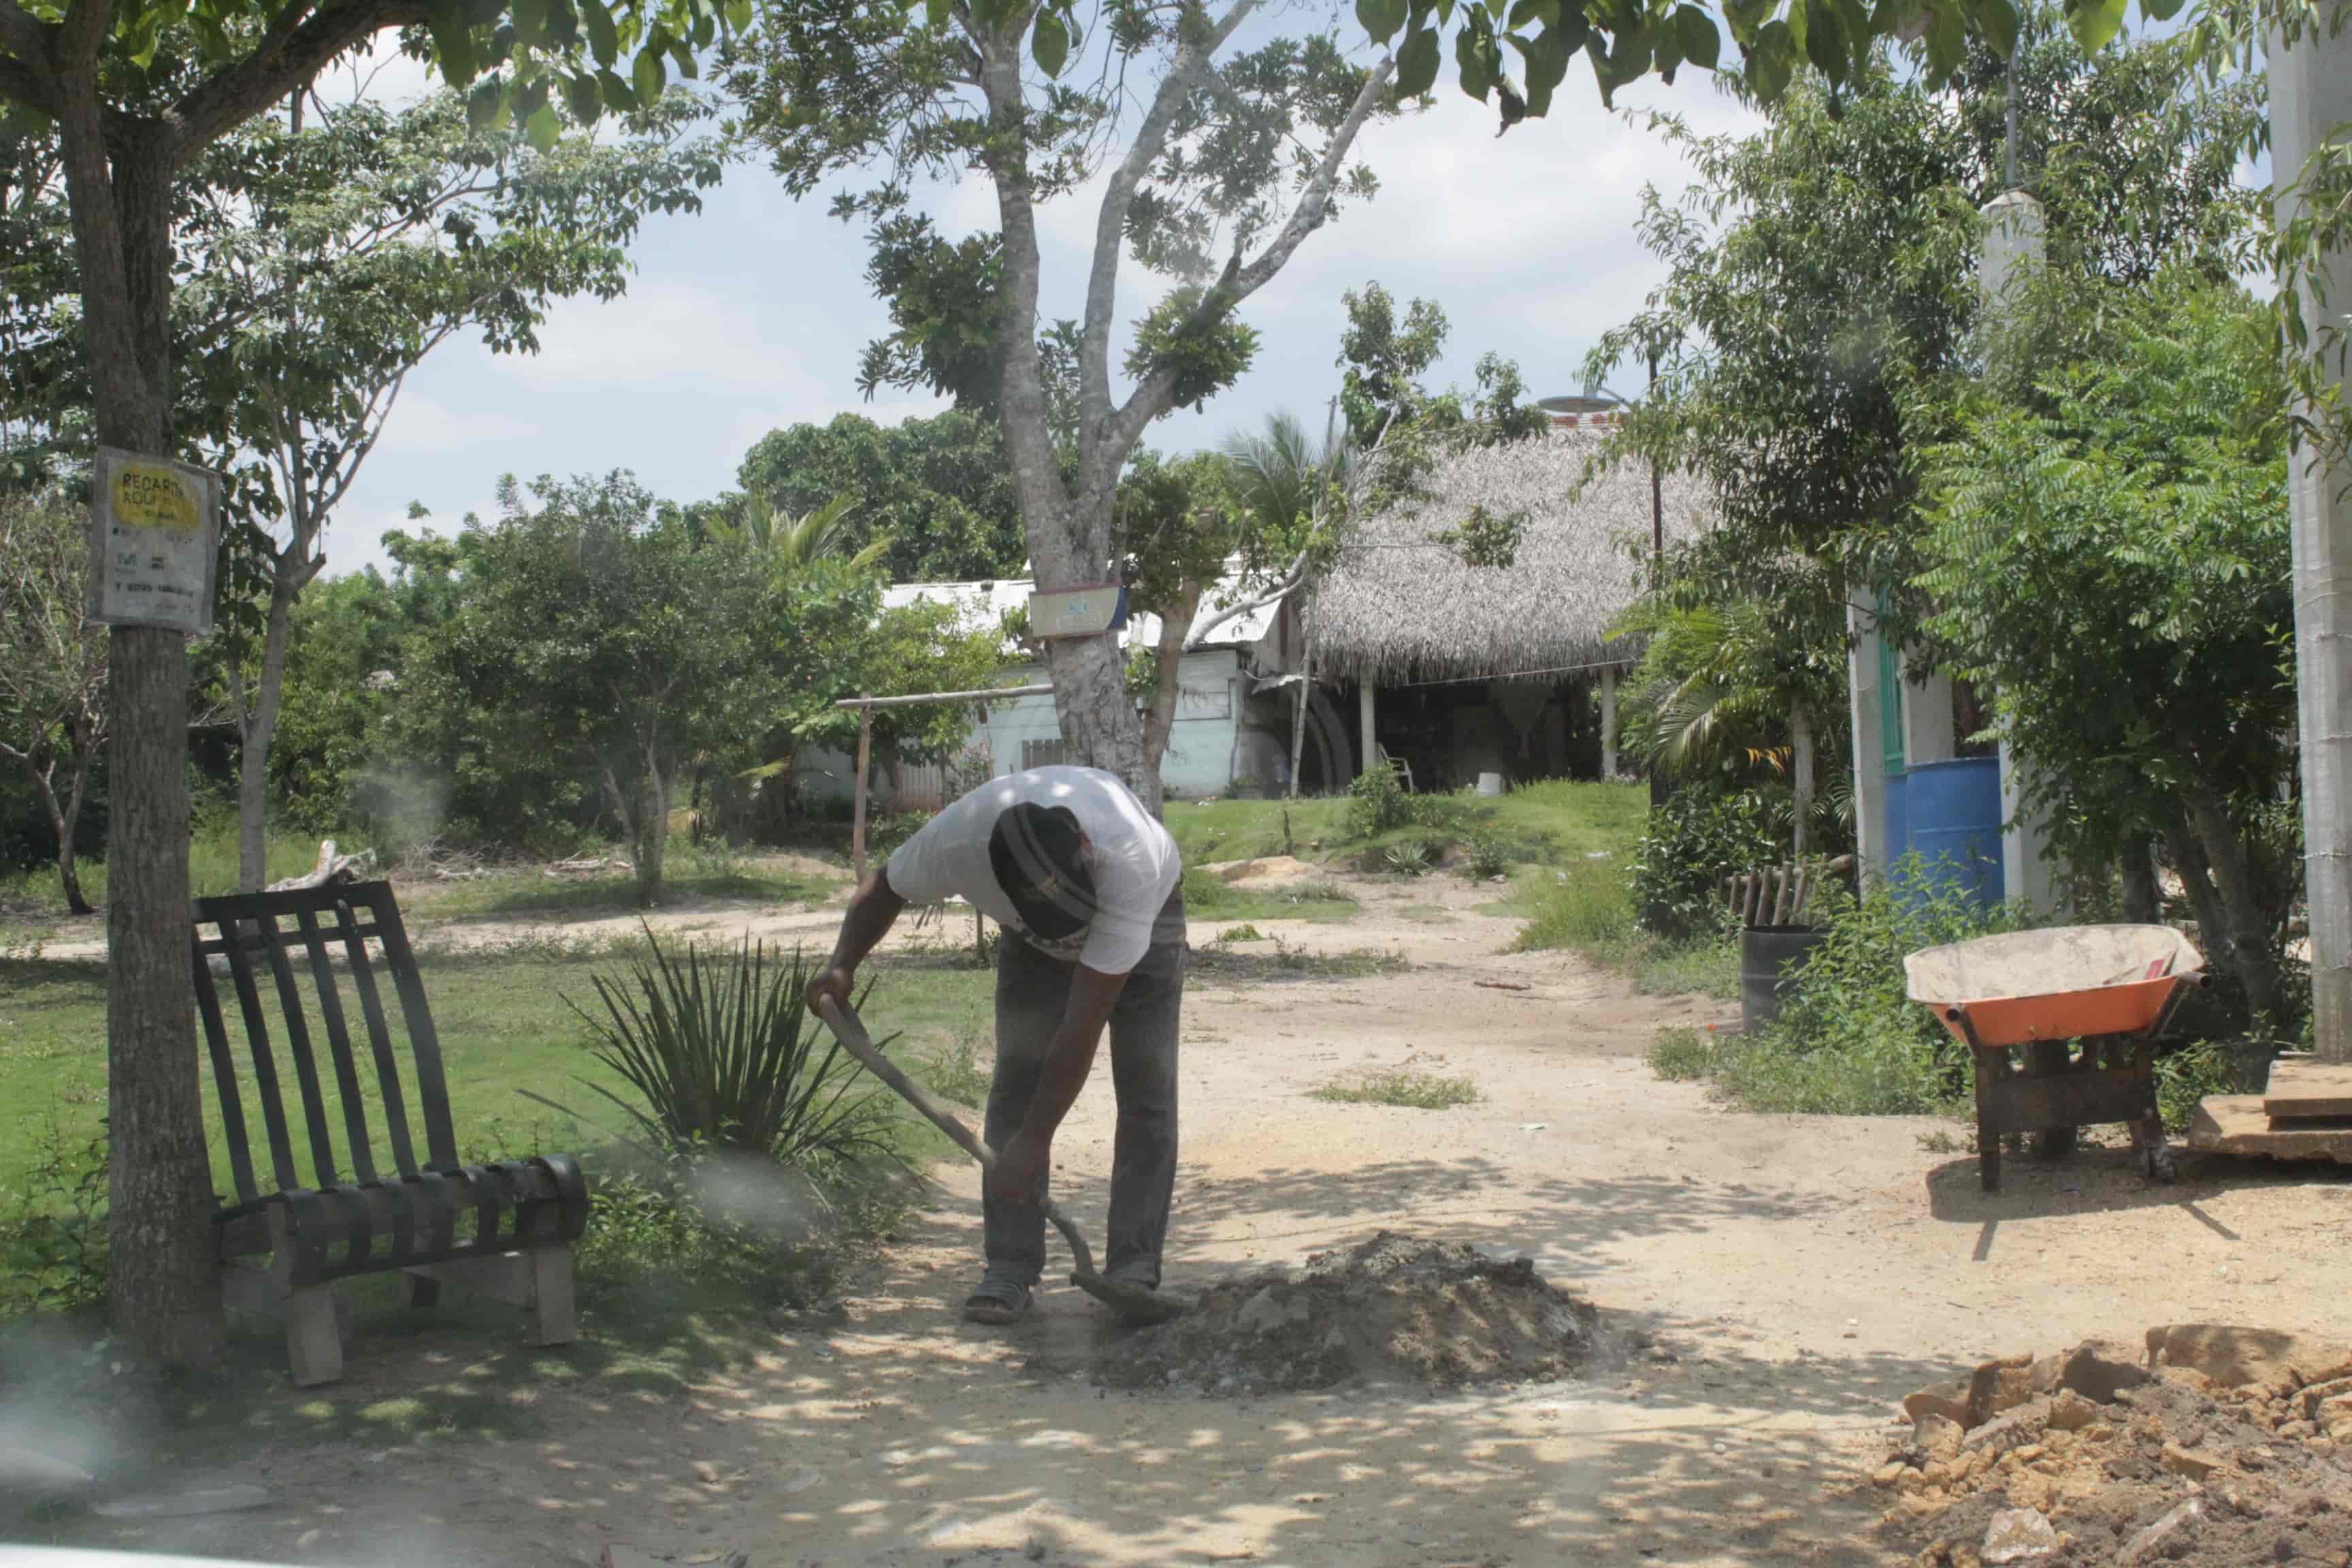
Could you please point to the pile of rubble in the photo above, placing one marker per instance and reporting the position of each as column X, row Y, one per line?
column 1394, row 1308
column 2221, row 1447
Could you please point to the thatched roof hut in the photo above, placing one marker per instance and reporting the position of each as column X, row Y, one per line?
column 1397, row 608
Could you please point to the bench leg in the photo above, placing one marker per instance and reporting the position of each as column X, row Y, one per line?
column 315, row 1320
column 539, row 1281
column 553, row 1315
column 423, row 1292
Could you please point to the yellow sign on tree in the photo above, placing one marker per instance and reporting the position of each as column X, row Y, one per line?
column 154, row 542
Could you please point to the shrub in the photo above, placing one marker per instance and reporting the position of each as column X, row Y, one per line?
column 1586, row 908
column 1848, row 1040
column 955, row 1073
column 1377, row 803
column 53, row 1230
column 1487, row 853
column 1690, row 844
column 1679, row 1054
column 725, row 1056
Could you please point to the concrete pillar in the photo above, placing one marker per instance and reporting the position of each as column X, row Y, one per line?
column 1366, row 742
column 1608, row 722
column 1927, row 734
column 1869, row 745
column 2027, row 875
column 2311, row 105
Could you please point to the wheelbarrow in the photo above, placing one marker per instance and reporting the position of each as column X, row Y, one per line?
column 2059, row 1025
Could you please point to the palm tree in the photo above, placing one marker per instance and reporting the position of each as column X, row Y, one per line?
column 793, row 544
column 1284, row 474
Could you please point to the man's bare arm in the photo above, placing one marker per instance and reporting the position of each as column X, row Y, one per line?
column 872, row 911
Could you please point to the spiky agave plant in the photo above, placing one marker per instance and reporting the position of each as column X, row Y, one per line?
column 726, row 1056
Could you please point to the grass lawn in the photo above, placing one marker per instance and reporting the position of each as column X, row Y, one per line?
column 506, row 1023
column 1572, row 816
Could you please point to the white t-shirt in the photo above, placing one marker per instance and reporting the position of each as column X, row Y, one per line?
column 1135, row 866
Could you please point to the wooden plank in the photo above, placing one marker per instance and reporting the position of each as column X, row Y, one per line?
column 2237, row 1124
column 2307, row 1091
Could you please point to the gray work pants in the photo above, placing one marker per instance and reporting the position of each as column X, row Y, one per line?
column 1033, row 990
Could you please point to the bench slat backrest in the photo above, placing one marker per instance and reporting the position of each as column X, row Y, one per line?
column 354, row 928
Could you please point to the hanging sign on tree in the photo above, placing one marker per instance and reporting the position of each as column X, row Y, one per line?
column 154, row 542
column 1088, row 610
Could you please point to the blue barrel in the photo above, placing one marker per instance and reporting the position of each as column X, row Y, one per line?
column 1954, row 814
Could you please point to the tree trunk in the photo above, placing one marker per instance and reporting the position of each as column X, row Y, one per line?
column 2311, row 98
column 162, row 1294
column 650, row 839
column 1166, row 678
column 257, row 727
column 2143, row 899
column 2245, row 938
column 1801, row 770
column 1098, row 719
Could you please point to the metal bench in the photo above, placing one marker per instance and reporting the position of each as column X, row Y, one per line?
column 281, row 1245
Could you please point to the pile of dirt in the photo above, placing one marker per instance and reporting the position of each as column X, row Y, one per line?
column 1395, row 1308
column 2221, row 1447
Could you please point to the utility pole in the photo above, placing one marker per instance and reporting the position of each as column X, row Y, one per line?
column 2311, row 106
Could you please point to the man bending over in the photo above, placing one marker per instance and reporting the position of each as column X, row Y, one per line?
column 1084, row 882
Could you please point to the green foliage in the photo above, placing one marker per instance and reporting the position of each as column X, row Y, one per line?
column 1583, row 906
column 1377, row 803
column 1695, row 839
column 1203, row 351
column 1403, row 1088
column 724, row 1055
column 2107, row 546
column 1486, row 853
column 1241, row 934
column 954, row 1070
column 940, row 490
column 1682, row 1055
column 53, row 1229
column 597, row 646
column 1409, row 857
column 1848, row 1041
column 1483, row 538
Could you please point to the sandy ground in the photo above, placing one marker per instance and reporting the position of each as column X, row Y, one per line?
column 1773, row 1284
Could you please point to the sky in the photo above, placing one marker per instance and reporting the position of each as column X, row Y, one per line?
column 751, row 315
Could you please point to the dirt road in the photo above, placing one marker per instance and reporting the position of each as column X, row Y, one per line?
column 1772, row 1283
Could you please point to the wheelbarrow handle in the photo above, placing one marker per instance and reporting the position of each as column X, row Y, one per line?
column 851, row 1032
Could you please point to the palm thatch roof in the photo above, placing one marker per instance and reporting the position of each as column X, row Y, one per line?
column 1397, row 608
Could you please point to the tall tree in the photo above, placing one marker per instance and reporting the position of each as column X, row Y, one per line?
column 52, row 665
column 137, row 91
column 594, row 627
column 1194, row 189
column 326, row 259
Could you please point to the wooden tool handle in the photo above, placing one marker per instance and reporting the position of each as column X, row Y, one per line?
column 847, row 1028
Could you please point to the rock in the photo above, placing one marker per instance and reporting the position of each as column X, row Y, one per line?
column 2011, row 1428
column 2233, row 1356
column 1949, row 1400
column 2018, row 1535
column 1938, row 1436
column 2099, row 1369
column 2311, row 1398
column 1890, row 1473
column 2326, row 1413
column 1998, row 1385
column 2070, row 1411
column 2195, row 1463
column 2151, row 1542
column 619, row 1556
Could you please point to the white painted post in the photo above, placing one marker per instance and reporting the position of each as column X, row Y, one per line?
column 1367, row 748
column 1608, row 722
column 2311, row 104
column 2026, row 872
column 1927, row 734
column 1869, row 754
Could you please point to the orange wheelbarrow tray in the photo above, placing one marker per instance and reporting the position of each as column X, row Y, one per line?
column 2113, row 987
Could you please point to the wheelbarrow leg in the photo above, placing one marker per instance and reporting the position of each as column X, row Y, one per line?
column 2048, row 1060
column 1988, row 1064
